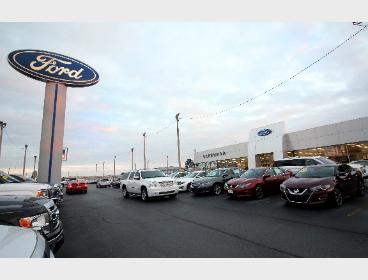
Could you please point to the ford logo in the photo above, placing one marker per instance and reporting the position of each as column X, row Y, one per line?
column 264, row 132
column 53, row 67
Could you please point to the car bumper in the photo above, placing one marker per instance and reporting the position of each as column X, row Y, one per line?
column 240, row 192
column 75, row 190
column 309, row 198
column 155, row 192
column 183, row 187
column 201, row 189
column 56, row 238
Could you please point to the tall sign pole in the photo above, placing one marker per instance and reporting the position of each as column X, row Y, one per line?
column 59, row 72
column 2, row 126
column 114, row 164
column 178, row 139
column 167, row 164
column 144, row 151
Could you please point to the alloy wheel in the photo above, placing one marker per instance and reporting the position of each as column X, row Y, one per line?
column 217, row 189
column 338, row 198
column 259, row 192
column 144, row 195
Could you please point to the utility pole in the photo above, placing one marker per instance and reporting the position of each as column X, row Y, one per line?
column 177, row 133
column 144, row 151
column 96, row 168
column 24, row 159
column 103, row 169
column 135, row 166
column 2, row 126
column 114, row 165
column 132, row 149
column 34, row 165
column 167, row 164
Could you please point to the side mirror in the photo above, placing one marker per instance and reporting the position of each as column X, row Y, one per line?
column 265, row 176
column 136, row 177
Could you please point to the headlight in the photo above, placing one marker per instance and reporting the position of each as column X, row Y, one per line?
column 155, row 185
column 320, row 188
column 42, row 193
column 282, row 187
column 35, row 222
column 243, row 186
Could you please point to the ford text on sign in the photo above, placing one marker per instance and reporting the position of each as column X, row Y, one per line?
column 53, row 67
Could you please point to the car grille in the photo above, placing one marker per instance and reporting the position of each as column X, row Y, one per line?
column 298, row 195
column 166, row 184
column 54, row 217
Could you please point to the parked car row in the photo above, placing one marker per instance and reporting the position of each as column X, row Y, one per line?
column 29, row 217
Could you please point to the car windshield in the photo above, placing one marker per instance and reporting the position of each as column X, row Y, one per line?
column 319, row 171
column 326, row 160
column 179, row 175
column 289, row 162
column 216, row 173
column 252, row 173
column 152, row 174
column 361, row 162
column 190, row 175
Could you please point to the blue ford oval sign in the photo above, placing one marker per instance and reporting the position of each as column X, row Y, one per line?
column 53, row 67
column 264, row 132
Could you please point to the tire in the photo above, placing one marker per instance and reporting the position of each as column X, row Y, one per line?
column 125, row 192
column 85, row 192
column 172, row 196
column 217, row 190
column 337, row 198
column 67, row 193
column 144, row 194
column 259, row 192
column 361, row 189
column 97, row 185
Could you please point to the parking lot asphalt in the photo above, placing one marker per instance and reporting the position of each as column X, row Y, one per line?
column 102, row 223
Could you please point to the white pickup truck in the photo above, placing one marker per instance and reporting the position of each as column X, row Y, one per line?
column 148, row 184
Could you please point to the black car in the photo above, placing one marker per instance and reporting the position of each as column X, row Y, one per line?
column 40, row 214
column 214, row 181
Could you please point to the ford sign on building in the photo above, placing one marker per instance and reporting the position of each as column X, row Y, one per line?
column 264, row 132
column 58, row 72
column 53, row 67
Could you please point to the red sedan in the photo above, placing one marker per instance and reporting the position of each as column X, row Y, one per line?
column 76, row 187
column 257, row 182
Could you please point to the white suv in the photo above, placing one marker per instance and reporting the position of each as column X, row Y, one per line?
column 149, row 183
column 294, row 164
column 185, row 182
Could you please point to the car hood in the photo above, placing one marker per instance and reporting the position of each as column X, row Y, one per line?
column 17, row 242
column 238, row 181
column 185, row 180
column 207, row 180
column 159, row 179
column 29, row 189
column 307, row 182
column 33, row 205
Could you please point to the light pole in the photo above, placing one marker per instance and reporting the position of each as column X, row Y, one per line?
column 167, row 164
column 24, row 159
column 114, row 165
column 96, row 168
column 177, row 133
column 2, row 126
column 103, row 169
column 144, row 151
column 34, row 165
column 132, row 149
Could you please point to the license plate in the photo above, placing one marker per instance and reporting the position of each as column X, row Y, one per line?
column 230, row 191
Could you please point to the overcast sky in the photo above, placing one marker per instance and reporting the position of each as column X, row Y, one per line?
column 151, row 71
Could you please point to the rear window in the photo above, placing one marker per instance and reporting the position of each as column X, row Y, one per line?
column 289, row 162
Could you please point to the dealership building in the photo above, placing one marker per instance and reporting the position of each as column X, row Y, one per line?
column 342, row 142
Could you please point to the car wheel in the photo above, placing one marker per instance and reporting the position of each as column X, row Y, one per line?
column 361, row 189
column 144, row 194
column 97, row 186
column 259, row 192
column 217, row 189
column 338, row 201
column 125, row 192
column 85, row 191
